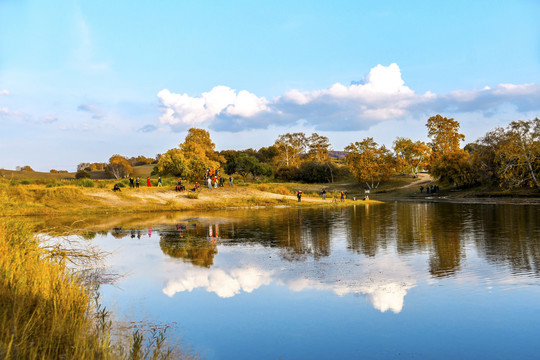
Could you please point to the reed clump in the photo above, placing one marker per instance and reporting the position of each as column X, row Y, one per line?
column 46, row 311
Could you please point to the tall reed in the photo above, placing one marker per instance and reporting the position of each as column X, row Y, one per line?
column 47, row 313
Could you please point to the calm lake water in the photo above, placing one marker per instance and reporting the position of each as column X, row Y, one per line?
column 397, row 280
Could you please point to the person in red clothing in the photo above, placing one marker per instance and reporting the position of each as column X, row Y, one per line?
column 148, row 182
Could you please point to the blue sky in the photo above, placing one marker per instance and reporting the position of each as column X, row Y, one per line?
column 83, row 80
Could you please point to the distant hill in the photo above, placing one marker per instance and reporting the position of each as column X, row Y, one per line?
column 33, row 175
column 337, row 154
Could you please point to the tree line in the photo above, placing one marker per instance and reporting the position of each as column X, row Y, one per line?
column 508, row 157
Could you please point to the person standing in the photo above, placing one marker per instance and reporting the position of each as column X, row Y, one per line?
column 299, row 195
column 131, row 182
column 159, row 184
column 209, row 182
column 137, row 182
column 230, row 180
column 342, row 196
column 148, row 183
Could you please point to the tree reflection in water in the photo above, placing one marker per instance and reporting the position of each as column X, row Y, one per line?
column 505, row 235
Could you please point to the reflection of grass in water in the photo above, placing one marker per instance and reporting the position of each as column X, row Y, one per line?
column 47, row 313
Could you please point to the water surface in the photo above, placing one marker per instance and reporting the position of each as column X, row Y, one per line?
column 398, row 280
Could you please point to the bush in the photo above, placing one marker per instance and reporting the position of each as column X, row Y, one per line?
column 81, row 174
column 192, row 195
column 288, row 173
column 25, row 182
column 54, row 184
column 282, row 190
column 85, row 183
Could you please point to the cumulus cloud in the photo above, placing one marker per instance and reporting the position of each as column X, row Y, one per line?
column 181, row 111
column 382, row 95
column 384, row 283
column 223, row 284
column 92, row 109
column 4, row 92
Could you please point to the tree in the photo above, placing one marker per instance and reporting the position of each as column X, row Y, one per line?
column 267, row 154
column 511, row 155
column 119, row 167
column 81, row 174
column 369, row 163
column 289, row 148
column 318, row 147
column 411, row 155
column 174, row 163
column 444, row 136
column 192, row 158
column 454, row 167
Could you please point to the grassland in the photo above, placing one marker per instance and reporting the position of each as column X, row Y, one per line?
column 86, row 196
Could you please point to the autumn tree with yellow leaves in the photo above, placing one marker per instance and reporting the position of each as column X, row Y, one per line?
column 510, row 157
column 369, row 162
column 448, row 161
column 411, row 155
column 119, row 167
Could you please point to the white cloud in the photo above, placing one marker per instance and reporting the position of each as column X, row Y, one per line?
column 384, row 283
column 183, row 110
column 381, row 96
column 4, row 92
column 218, row 281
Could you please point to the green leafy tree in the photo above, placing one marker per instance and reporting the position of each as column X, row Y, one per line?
column 192, row 158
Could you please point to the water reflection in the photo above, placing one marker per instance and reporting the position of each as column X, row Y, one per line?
column 339, row 282
column 362, row 250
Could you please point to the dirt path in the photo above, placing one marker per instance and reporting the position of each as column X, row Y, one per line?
column 422, row 179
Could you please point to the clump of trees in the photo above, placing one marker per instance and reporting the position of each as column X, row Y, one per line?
column 24, row 168
column 508, row 157
column 192, row 157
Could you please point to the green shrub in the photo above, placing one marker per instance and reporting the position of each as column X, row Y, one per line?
column 81, row 174
column 85, row 183
column 25, row 182
column 54, row 184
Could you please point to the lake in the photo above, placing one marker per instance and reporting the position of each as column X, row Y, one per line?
column 393, row 280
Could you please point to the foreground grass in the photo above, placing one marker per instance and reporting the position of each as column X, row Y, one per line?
column 46, row 312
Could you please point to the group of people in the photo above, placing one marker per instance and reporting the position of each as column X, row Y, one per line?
column 211, row 177
column 342, row 195
column 136, row 183
column 430, row 189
